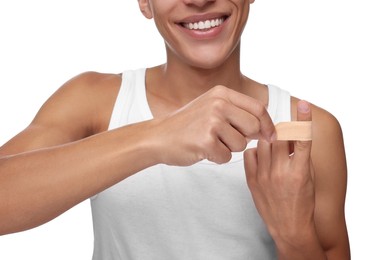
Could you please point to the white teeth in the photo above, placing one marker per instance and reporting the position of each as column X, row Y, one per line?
column 202, row 25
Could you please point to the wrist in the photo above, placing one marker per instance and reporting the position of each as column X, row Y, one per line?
column 155, row 142
column 299, row 244
column 150, row 143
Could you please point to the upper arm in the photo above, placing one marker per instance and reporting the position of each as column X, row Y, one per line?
column 330, row 177
column 81, row 107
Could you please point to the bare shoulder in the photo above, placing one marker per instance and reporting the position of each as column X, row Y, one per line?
column 325, row 124
column 85, row 100
column 79, row 108
column 328, row 144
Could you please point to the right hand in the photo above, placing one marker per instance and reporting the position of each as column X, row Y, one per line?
column 211, row 127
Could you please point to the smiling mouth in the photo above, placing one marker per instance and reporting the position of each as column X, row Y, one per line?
column 204, row 25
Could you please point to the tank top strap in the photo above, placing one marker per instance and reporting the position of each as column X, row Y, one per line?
column 131, row 104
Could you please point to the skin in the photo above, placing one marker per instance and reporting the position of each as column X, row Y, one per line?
column 60, row 159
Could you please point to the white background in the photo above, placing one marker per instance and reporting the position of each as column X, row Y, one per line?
column 333, row 53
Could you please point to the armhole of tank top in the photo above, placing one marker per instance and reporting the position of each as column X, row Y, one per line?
column 279, row 104
column 121, row 101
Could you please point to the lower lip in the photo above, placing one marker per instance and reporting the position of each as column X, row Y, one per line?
column 204, row 34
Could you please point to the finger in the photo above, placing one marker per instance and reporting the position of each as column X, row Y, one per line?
column 220, row 154
column 280, row 152
column 264, row 157
column 255, row 107
column 294, row 130
column 246, row 123
column 304, row 111
column 250, row 165
column 302, row 149
column 233, row 139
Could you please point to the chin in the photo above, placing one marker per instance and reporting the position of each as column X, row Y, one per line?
column 208, row 60
column 211, row 56
column 206, row 64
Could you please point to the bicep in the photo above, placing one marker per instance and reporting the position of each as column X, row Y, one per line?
column 330, row 167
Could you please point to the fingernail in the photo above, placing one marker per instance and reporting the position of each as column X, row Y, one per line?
column 303, row 106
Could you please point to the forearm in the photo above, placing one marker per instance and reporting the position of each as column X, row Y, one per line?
column 37, row 186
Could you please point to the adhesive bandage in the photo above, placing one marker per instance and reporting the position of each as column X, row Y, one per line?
column 293, row 131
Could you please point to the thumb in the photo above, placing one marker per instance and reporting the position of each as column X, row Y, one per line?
column 303, row 148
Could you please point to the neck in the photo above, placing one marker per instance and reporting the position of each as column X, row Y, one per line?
column 183, row 83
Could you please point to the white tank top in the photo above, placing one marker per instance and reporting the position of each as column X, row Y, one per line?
column 204, row 211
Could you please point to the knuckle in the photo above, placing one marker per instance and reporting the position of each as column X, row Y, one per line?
column 260, row 108
column 219, row 90
column 213, row 127
column 207, row 142
column 256, row 126
column 298, row 181
column 218, row 105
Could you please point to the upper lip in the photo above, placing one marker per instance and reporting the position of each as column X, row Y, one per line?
column 202, row 17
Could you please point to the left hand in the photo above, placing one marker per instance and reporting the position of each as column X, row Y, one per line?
column 282, row 184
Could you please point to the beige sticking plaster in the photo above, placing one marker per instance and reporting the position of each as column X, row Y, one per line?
column 293, row 131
